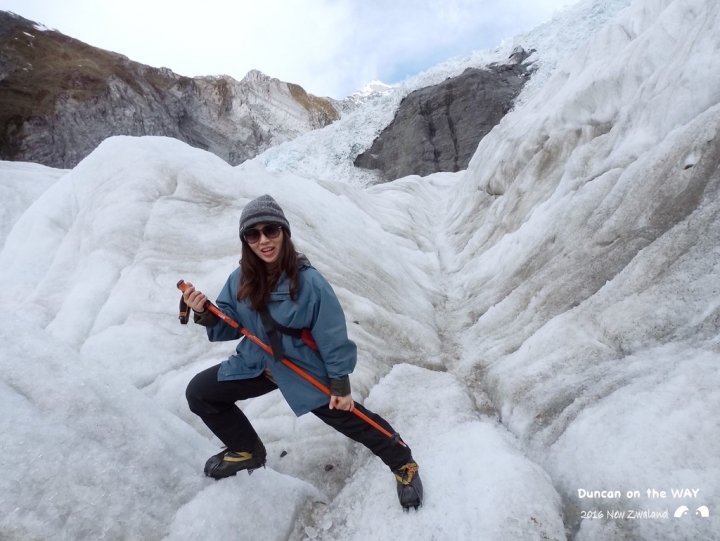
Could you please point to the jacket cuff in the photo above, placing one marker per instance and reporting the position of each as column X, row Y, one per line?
column 206, row 318
column 340, row 387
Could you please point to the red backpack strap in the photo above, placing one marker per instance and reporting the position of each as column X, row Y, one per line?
column 307, row 337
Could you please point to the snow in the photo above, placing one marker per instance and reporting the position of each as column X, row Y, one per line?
column 444, row 420
column 20, row 185
column 373, row 89
column 105, row 361
column 266, row 504
column 375, row 86
column 546, row 321
column 593, row 258
column 84, row 454
column 43, row 28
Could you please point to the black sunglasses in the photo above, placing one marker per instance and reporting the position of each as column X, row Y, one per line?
column 271, row 231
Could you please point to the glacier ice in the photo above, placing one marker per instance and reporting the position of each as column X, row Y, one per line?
column 544, row 322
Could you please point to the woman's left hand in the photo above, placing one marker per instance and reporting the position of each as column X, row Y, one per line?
column 342, row 403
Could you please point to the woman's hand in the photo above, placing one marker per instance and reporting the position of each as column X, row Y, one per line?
column 194, row 299
column 342, row 403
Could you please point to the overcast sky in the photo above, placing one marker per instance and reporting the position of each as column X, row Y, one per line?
column 330, row 47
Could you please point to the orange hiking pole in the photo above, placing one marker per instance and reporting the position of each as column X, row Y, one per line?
column 182, row 286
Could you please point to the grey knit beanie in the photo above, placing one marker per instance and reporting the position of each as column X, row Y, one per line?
column 263, row 209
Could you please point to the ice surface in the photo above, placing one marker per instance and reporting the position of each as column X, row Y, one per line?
column 84, row 453
column 90, row 269
column 262, row 506
column 478, row 485
column 545, row 322
column 20, row 185
column 588, row 266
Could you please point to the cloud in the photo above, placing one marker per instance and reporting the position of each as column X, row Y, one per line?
column 331, row 47
column 392, row 39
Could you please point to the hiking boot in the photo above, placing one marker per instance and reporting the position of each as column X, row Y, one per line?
column 409, row 486
column 227, row 463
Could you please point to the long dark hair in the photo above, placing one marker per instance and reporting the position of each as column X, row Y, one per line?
column 257, row 281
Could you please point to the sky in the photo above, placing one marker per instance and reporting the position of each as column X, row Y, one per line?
column 330, row 47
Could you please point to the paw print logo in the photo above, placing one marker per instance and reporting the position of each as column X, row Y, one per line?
column 683, row 510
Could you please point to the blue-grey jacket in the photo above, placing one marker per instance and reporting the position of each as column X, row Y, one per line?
column 316, row 307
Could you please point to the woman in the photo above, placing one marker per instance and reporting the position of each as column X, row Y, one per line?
column 275, row 294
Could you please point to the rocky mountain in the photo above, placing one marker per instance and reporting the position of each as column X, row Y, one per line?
column 60, row 98
column 438, row 128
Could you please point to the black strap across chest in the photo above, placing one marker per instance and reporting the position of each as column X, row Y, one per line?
column 272, row 328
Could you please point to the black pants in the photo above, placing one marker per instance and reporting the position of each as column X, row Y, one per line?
column 214, row 401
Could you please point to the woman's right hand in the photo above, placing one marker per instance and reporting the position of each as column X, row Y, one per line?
column 194, row 299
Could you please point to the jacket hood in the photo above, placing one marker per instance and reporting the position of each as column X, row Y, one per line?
column 302, row 261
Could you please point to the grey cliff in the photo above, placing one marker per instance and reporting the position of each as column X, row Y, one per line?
column 438, row 128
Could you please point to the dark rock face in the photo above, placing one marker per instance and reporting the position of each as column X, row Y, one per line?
column 60, row 98
column 438, row 128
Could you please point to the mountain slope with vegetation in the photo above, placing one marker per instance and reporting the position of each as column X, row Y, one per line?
column 60, row 98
